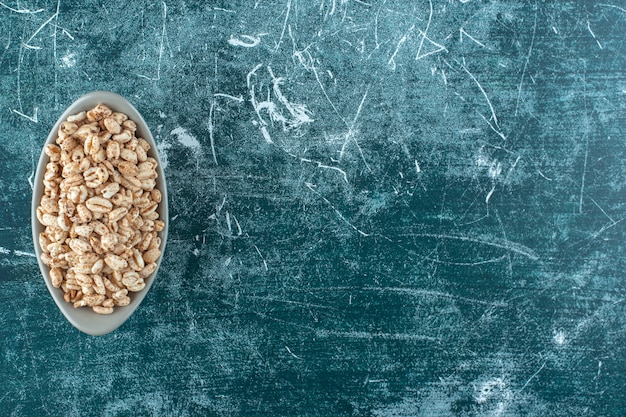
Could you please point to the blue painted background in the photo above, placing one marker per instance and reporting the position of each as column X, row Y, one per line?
column 378, row 208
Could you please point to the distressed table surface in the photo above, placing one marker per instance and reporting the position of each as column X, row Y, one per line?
column 377, row 207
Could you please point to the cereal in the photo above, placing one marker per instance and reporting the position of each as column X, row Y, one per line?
column 102, row 309
column 99, row 204
column 151, row 255
column 99, row 210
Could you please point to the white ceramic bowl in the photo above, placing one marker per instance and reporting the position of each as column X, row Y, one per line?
column 85, row 319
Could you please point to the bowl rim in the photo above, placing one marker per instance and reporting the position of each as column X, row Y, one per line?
column 84, row 319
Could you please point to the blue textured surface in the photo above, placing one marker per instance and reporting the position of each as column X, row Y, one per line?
column 376, row 208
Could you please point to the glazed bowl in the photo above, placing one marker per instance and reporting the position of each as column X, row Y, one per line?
column 84, row 318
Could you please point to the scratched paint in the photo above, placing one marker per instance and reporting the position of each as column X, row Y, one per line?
column 376, row 208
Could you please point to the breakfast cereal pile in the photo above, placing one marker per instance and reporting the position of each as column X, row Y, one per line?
column 99, row 209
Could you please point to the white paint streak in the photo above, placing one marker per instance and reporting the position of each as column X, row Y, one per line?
column 498, row 132
column 69, row 60
column 291, row 353
column 245, row 41
column 161, row 48
column 186, row 139
column 559, row 338
column 162, row 148
column 488, row 389
column 489, row 194
column 496, row 242
column 6, row 251
column 324, row 166
column 612, row 6
column 282, row 33
column 424, row 34
column 418, row 292
column 337, row 212
column 392, row 61
column 21, row 11
column 319, row 82
column 32, row 118
column 238, row 99
column 532, row 377
column 262, row 258
column 593, row 35
column 463, row 32
column 298, row 114
column 44, row 24
column 375, row 335
column 530, row 50
column 482, row 90
column 211, row 127
column 494, row 167
column 351, row 135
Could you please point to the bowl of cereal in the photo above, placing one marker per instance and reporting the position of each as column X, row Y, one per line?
column 99, row 212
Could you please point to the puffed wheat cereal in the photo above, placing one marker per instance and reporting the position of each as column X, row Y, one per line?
column 99, row 210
